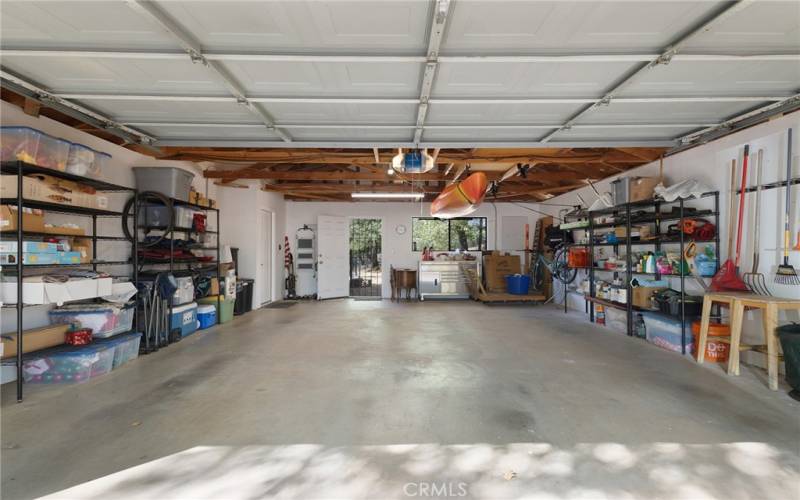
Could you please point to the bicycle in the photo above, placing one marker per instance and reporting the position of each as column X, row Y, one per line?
column 558, row 267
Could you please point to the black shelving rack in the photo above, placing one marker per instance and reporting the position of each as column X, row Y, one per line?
column 21, row 169
column 657, row 218
column 194, row 265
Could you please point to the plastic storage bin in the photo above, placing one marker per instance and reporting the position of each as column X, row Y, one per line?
column 169, row 181
column 68, row 364
column 185, row 292
column 82, row 160
column 126, row 347
column 206, row 316
column 665, row 332
column 226, row 304
column 184, row 318
column 32, row 146
column 518, row 284
column 104, row 320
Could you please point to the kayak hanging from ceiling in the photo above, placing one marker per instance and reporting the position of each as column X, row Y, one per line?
column 461, row 198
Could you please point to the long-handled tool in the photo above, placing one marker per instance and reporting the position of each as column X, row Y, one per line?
column 727, row 278
column 754, row 280
column 786, row 274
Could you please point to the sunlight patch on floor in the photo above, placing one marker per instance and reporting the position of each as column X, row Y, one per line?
column 518, row 470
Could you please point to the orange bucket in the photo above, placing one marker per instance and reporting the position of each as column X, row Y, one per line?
column 715, row 351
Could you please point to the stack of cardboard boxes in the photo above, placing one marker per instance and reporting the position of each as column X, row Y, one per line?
column 496, row 266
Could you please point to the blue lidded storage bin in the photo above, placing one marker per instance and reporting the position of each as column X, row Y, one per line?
column 518, row 284
column 207, row 316
column 184, row 318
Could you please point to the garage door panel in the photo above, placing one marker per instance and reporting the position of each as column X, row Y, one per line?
column 85, row 24
column 667, row 112
column 720, row 78
column 108, row 75
column 771, row 26
column 631, row 133
column 339, row 79
column 482, row 134
column 517, row 27
column 527, row 80
column 305, row 26
column 297, row 112
column 171, row 111
column 353, row 135
column 467, row 114
column 211, row 133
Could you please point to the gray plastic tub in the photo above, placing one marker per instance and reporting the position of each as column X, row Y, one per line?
column 169, row 181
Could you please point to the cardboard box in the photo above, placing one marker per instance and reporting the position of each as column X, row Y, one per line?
column 214, row 288
column 641, row 232
column 77, row 231
column 10, row 259
column 495, row 268
column 31, row 247
column 84, row 247
column 51, row 190
column 32, row 222
column 641, row 188
column 34, row 340
column 202, row 201
column 35, row 291
column 642, row 294
column 194, row 197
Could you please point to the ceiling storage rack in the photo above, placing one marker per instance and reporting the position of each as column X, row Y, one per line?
column 21, row 169
column 628, row 215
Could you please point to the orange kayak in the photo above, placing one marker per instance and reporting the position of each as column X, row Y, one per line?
column 461, row 198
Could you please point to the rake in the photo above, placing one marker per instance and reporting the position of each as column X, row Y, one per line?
column 754, row 280
column 786, row 274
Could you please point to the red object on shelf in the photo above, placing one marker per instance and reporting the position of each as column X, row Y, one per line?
column 578, row 257
column 79, row 337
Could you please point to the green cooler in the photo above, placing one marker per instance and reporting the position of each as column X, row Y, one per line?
column 224, row 309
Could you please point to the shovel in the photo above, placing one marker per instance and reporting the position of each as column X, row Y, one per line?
column 727, row 278
column 754, row 280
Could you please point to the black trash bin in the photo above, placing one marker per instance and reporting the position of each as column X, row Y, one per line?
column 790, row 342
column 244, row 296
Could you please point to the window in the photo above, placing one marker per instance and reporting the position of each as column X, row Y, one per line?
column 442, row 235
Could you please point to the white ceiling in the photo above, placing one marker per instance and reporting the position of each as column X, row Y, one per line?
column 97, row 72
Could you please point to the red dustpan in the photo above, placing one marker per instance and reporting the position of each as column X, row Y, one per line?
column 727, row 278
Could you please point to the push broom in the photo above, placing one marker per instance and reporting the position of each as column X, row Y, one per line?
column 786, row 274
column 727, row 278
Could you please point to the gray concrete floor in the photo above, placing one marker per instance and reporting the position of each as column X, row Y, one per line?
column 359, row 399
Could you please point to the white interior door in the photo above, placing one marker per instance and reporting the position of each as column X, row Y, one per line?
column 265, row 258
column 333, row 250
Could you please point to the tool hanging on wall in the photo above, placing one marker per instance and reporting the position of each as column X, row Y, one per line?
column 786, row 274
column 727, row 278
column 754, row 280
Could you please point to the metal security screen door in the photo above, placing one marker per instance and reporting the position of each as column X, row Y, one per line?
column 365, row 258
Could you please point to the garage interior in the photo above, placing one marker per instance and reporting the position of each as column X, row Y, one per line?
column 412, row 248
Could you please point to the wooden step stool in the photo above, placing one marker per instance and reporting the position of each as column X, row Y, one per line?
column 738, row 302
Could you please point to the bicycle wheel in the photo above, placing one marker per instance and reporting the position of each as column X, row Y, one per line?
column 561, row 269
column 127, row 216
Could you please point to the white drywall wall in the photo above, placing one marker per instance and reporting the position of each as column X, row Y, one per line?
column 241, row 229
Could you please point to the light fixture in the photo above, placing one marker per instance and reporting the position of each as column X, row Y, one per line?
column 416, row 196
